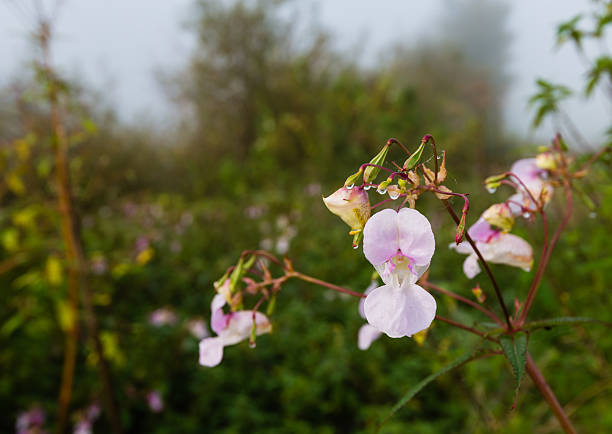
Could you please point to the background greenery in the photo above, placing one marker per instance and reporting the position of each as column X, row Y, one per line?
column 270, row 120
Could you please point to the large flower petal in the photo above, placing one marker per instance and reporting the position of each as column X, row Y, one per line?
column 211, row 351
column 380, row 237
column 470, row 266
column 511, row 250
column 367, row 335
column 400, row 311
column 416, row 239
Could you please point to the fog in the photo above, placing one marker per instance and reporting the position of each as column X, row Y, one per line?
column 119, row 47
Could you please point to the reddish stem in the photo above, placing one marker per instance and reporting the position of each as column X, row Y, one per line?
column 484, row 264
column 462, row 299
column 549, row 396
column 546, row 255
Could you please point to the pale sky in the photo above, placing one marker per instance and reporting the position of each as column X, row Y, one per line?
column 118, row 45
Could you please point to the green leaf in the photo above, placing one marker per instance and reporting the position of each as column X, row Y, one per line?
column 467, row 357
column 560, row 321
column 515, row 350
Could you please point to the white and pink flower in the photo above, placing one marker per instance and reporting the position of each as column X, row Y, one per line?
column 230, row 328
column 400, row 246
column 496, row 247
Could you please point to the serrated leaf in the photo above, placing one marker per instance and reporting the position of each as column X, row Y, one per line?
column 467, row 357
column 515, row 350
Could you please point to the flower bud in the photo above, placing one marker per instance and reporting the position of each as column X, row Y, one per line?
column 546, row 161
column 371, row 172
column 499, row 215
column 351, row 205
column 351, row 180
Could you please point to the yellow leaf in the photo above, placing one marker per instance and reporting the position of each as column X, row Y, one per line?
column 145, row 256
column 65, row 314
column 15, row 184
column 10, row 239
column 54, row 271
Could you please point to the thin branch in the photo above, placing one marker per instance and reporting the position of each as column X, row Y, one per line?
column 462, row 299
column 484, row 264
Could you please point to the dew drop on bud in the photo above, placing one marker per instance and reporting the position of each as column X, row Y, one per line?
column 526, row 215
column 394, row 194
column 252, row 344
column 491, row 190
column 382, row 190
column 348, row 187
column 367, row 187
column 355, row 246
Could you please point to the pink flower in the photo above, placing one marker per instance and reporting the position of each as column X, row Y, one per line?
column 197, row 327
column 162, row 316
column 230, row 328
column 155, row 401
column 400, row 246
column 367, row 333
column 534, row 179
column 496, row 247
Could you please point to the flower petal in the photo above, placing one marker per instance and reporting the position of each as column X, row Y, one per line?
column 416, row 239
column 380, row 237
column 371, row 287
column 211, row 351
column 509, row 249
column 400, row 311
column 482, row 231
column 240, row 325
column 470, row 266
column 367, row 335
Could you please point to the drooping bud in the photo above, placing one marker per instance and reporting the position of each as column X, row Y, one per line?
column 351, row 180
column 351, row 205
column 414, row 158
column 382, row 187
column 371, row 172
column 493, row 182
column 477, row 291
column 499, row 215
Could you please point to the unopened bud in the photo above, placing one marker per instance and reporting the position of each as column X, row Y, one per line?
column 382, row 187
column 371, row 172
column 414, row 158
column 351, row 180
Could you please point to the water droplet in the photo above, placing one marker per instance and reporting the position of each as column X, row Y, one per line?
column 348, row 187
column 367, row 187
column 355, row 246
column 526, row 215
column 439, row 157
column 381, row 190
column 491, row 190
column 252, row 344
column 394, row 194
column 592, row 215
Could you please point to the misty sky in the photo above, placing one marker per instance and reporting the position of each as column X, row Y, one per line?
column 118, row 45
